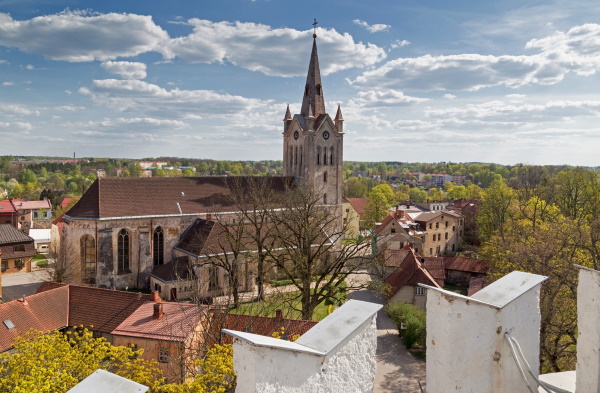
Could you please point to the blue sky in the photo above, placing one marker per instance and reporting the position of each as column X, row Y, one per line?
column 428, row 81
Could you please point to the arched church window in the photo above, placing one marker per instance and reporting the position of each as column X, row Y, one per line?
column 331, row 157
column 158, row 246
column 291, row 156
column 296, row 155
column 324, row 199
column 325, row 177
column 88, row 258
column 319, row 155
column 324, row 156
column 123, row 251
column 300, row 155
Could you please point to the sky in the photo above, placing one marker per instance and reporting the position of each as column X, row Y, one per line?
column 429, row 81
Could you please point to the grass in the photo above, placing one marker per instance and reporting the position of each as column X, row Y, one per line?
column 288, row 302
column 40, row 260
column 43, row 263
column 39, row 257
column 288, row 281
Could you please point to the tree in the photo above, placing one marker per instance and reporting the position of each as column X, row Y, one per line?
column 376, row 209
column 57, row 361
column 387, row 191
column 495, row 208
column 457, row 192
column 417, row 195
column 307, row 248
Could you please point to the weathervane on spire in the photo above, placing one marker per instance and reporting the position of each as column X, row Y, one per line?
column 315, row 28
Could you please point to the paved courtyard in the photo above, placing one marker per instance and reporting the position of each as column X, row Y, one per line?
column 16, row 285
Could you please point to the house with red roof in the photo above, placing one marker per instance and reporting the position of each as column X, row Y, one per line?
column 403, row 284
column 17, row 250
column 8, row 214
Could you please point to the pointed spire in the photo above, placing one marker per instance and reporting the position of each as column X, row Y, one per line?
column 313, row 91
column 338, row 115
column 288, row 115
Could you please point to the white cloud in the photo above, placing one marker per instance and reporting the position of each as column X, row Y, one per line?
column 17, row 110
column 3, row 61
column 371, row 28
column 144, row 97
column 8, row 83
column 69, row 92
column 69, row 108
column 382, row 98
column 398, row 44
column 574, row 51
column 264, row 49
column 17, row 126
column 82, row 36
column 131, row 124
column 126, row 69
column 29, row 67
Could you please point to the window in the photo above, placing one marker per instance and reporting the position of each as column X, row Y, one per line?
column 393, row 230
column 158, row 246
column 419, row 291
column 446, row 224
column 431, row 251
column 324, row 199
column 437, row 225
column 300, row 155
column 453, row 247
column 134, row 348
column 19, row 247
column 325, row 177
column 446, row 236
column 306, row 90
column 291, row 156
column 296, row 155
column 157, row 288
column 123, row 251
column 429, row 225
column 347, row 210
column 213, row 278
column 319, row 155
column 439, row 236
column 4, row 265
column 163, row 355
column 19, row 263
column 331, row 157
column 88, row 258
column 324, row 156
column 453, row 228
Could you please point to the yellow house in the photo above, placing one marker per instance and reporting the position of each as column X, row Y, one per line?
column 351, row 220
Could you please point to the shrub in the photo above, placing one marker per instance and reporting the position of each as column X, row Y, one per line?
column 414, row 321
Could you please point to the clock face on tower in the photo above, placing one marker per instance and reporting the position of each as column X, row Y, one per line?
column 326, row 135
column 296, row 135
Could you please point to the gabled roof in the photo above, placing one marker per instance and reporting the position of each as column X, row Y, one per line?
column 21, row 204
column 458, row 263
column 101, row 309
column 178, row 322
column 42, row 311
column 410, row 272
column 10, row 235
column 7, row 207
column 394, row 258
column 358, row 204
column 121, row 197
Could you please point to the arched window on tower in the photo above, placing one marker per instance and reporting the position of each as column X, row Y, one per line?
column 319, row 155
column 158, row 246
column 324, row 156
column 325, row 177
column 296, row 155
column 123, row 251
column 324, row 199
column 331, row 157
column 291, row 156
column 88, row 258
column 300, row 155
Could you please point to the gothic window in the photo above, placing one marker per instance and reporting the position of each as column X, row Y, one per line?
column 213, row 278
column 300, row 155
column 324, row 199
column 158, row 246
column 291, row 156
column 88, row 258
column 324, row 156
column 319, row 155
column 306, row 90
column 296, row 155
column 325, row 177
column 331, row 157
column 123, row 251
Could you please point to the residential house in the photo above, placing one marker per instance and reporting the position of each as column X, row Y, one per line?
column 468, row 209
column 174, row 280
column 444, row 231
column 404, row 282
column 8, row 213
column 359, row 205
column 397, row 230
column 30, row 211
column 351, row 220
column 17, row 250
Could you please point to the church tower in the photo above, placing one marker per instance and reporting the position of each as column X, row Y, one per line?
column 313, row 141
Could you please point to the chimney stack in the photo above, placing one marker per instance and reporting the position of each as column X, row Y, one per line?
column 156, row 297
column 158, row 311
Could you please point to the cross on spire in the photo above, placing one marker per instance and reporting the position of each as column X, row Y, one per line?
column 315, row 28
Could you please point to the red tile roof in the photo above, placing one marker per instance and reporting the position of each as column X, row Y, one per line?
column 156, row 196
column 65, row 202
column 97, row 308
column 178, row 322
column 359, row 204
column 436, row 267
column 21, row 204
column 460, row 264
column 410, row 272
column 43, row 311
column 394, row 258
column 177, row 269
column 6, row 207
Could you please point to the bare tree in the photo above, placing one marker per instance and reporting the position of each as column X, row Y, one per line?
column 308, row 248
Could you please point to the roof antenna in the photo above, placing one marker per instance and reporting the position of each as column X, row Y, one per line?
column 315, row 28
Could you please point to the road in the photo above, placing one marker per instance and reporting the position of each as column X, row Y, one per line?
column 397, row 370
column 16, row 285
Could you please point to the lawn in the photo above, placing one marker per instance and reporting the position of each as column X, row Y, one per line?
column 40, row 260
column 286, row 302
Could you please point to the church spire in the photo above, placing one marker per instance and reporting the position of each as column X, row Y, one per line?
column 313, row 91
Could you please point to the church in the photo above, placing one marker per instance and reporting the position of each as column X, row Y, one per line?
column 124, row 229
